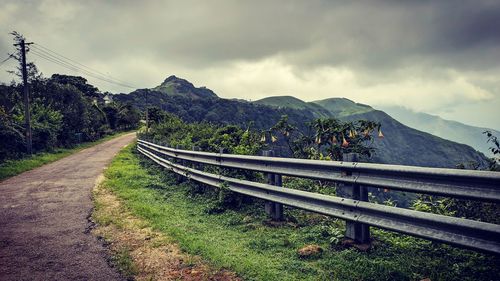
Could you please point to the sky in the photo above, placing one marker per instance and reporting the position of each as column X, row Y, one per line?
column 438, row 57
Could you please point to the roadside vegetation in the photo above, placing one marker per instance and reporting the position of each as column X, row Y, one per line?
column 14, row 167
column 65, row 111
column 243, row 240
column 232, row 231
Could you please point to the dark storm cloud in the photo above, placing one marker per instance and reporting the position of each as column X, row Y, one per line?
column 368, row 34
column 375, row 51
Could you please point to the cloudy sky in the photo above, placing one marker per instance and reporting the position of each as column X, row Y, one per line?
column 439, row 57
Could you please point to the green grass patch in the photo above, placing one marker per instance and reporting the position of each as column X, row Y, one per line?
column 242, row 240
column 11, row 168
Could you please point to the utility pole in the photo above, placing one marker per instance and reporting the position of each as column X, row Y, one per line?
column 147, row 114
column 27, row 117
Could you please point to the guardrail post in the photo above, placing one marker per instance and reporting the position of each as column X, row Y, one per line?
column 196, row 165
column 356, row 231
column 180, row 178
column 274, row 210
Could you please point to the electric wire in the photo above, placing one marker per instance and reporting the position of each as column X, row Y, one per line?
column 79, row 69
column 75, row 68
column 62, row 57
column 5, row 60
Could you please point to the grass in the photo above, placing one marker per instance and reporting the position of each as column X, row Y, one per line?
column 243, row 241
column 11, row 168
column 139, row 252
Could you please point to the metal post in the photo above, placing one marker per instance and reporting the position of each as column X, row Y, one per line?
column 274, row 210
column 196, row 166
column 180, row 178
column 356, row 231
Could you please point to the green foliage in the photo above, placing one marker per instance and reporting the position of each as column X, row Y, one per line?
column 168, row 129
column 46, row 125
column 327, row 139
column 171, row 130
column 432, row 204
column 480, row 211
column 65, row 110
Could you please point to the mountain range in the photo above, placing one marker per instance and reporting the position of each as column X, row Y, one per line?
column 401, row 144
column 447, row 129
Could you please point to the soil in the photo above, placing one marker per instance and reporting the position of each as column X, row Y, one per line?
column 44, row 225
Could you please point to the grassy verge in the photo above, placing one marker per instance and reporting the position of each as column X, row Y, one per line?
column 244, row 241
column 15, row 167
column 141, row 253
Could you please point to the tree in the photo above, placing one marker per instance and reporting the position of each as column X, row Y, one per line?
column 495, row 149
column 325, row 138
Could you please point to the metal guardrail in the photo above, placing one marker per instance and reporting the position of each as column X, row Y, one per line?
column 467, row 184
column 457, row 231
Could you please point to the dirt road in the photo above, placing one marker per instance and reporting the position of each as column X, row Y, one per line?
column 44, row 219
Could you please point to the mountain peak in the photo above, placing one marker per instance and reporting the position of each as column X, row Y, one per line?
column 176, row 80
column 175, row 86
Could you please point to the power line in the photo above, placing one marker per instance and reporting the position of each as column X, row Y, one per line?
column 59, row 61
column 46, row 50
column 5, row 60
column 76, row 69
column 54, row 58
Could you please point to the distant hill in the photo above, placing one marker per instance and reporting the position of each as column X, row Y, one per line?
column 443, row 128
column 340, row 107
column 407, row 146
column 401, row 145
column 295, row 103
column 194, row 104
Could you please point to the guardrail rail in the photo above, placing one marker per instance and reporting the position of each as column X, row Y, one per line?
column 354, row 177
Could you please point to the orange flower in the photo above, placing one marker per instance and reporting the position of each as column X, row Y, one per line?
column 263, row 138
column 274, row 139
column 318, row 140
column 380, row 135
column 344, row 142
column 334, row 140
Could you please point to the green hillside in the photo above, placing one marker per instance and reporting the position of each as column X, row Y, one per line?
column 340, row 107
column 401, row 145
column 194, row 104
column 295, row 103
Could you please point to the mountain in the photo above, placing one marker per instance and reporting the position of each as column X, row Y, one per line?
column 339, row 107
column 194, row 104
column 404, row 145
column 174, row 86
column 295, row 103
column 443, row 128
column 401, row 145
